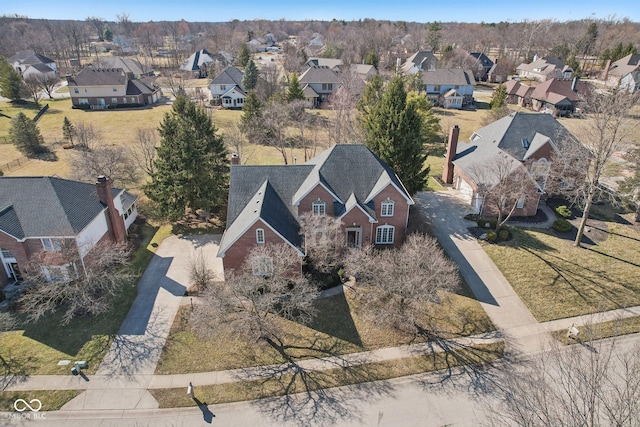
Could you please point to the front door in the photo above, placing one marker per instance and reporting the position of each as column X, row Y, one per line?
column 354, row 237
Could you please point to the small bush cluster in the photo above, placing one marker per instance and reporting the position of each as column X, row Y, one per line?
column 562, row 225
column 482, row 222
column 492, row 236
column 563, row 211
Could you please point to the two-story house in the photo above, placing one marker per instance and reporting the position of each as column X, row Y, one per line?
column 43, row 213
column 347, row 181
column 624, row 73
column 449, row 87
column 32, row 64
column 227, row 89
column 319, row 83
column 545, row 68
column 102, row 88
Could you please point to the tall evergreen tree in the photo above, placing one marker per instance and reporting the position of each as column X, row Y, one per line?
column 11, row 83
column 68, row 130
column 394, row 130
column 295, row 89
column 250, row 78
column 499, row 97
column 244, row 56
column 26, row 136
column 191, row 167
column 251, row 120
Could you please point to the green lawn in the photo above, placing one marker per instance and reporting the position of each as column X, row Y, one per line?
column 337, row 329
column 36, row 348
column 557, row 280
column 51, row 400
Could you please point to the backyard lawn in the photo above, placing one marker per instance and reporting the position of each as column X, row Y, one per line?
column 556, row 279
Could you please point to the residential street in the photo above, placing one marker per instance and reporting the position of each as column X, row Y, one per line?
column 117, row 395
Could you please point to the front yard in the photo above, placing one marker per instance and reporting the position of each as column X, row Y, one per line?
column 556, row 279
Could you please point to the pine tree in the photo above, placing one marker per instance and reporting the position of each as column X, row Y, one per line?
column 393, row 130
column 244, row 56
column 499, row 97
column 295, row 89
column 26, row 136
column 11, row 83
column 251, row 119
column 191, row 167
column 250, row 78
column 68, row 130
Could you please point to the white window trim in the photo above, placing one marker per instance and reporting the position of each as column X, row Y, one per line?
column 262, row 265
column 320, row 207
column 51, row 245
column 387, row 208
column 521, row 201
column 260, row 236
column 385, row 235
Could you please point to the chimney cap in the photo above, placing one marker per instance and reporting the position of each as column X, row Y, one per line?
column 102, row 178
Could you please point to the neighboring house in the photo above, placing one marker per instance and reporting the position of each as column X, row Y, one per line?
column 39, row 64
column 103, row 88
column 525, row 142
column 347, row 181
column 132, row 66
column 439, row 83
column 201, row 62
column 323, row 80
column 423, row 60
column 226, row 88
column 543, row 69
column 39, row 72
column 624, row 73
column 482, row 65
column 332, row 63
column 557, row 97
column 364, row 71
column 41, row 213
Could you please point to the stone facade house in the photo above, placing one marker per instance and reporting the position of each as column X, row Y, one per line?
column 347, row 182
column 41, row 213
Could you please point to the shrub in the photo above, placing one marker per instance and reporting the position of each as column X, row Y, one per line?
column 493, row 223
column 492, row 236
column 563, row 211
column 562, row 225
column 503, row 234
column 481, row 222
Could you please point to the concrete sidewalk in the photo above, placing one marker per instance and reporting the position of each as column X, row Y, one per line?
column 122, row 380
column 445, row 212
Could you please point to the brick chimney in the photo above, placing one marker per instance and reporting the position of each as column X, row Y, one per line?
column 452, row 147
column 115, row 223
column 235, row 159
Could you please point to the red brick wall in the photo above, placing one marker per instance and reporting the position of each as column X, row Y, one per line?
column 317, row 193
column 235, row 255
column 360, row 219
column 399, row 218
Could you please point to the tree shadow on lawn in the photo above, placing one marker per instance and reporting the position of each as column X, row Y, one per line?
column 334, row 319
column 310, row 396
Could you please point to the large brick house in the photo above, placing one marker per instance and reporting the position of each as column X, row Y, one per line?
column 524, row 142
column 45, row 213
column 347, row 181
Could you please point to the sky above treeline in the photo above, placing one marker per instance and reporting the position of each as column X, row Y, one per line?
column 326, row 10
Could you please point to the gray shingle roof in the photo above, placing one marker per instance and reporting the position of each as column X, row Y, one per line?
column 626, row 65
column 90, row 76
column 128, row 65
column 350, row 171
column 448, row 76
column 48, row 206
column 195, row 61
column 319, row 74
column 30, row 58
column 229, row 76
column 506, row 135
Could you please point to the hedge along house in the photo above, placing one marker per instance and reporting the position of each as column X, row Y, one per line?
column 347, row 181
column 104, row 88
column 47, row 213
column 520, row 143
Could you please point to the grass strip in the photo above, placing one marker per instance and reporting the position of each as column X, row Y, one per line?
column 52, row 400
column 610, row 329
column 304, row 381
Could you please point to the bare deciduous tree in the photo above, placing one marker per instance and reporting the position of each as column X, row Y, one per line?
column 239, row 144
column 400, row 286
column 77, row 284
column 593, row 384
column 324, row 240
column 253, row 300
column 201, row 276
column 143, row 151
column 33, row 86
column 502, row 183
column 607, row 128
